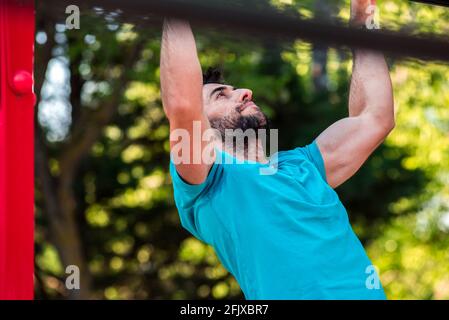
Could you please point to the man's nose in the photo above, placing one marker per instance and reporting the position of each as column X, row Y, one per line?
column 244, row 94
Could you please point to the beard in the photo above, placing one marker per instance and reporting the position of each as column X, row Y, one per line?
column 257, row 120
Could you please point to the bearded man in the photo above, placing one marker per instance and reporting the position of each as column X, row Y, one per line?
column 284, row 235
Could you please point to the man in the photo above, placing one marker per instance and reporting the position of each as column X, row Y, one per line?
column 284, row 235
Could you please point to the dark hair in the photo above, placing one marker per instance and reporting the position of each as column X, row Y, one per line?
column 213, row 75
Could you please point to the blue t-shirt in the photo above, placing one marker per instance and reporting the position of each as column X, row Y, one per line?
column 284, row 235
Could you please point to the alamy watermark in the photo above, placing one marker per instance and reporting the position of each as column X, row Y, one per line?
column 73, row 19
column 372, row 280
column 197, row 146
column 372, row 21
column 72, row 282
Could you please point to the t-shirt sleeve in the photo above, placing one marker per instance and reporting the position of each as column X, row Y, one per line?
column 313, row 154
column 189, row 196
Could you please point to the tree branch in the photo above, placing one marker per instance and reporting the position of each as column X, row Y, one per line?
column 83, row 137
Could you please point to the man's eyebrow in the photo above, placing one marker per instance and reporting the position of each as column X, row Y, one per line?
column 219, row 89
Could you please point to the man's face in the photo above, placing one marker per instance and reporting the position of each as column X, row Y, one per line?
column 231, row 108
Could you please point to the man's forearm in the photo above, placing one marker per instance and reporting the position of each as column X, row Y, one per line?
column 181, row 77
column 371, row 89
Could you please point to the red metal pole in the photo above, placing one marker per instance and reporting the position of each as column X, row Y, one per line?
column 16, row 149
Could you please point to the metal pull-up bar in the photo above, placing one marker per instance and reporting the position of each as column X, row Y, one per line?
column 271, row 22
column 435, row 2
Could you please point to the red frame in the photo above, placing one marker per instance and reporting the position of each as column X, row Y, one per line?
column 16, row 149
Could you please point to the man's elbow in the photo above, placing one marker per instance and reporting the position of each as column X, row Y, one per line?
column 389, row 124
column 384, row 123
column 392, row 124
column 181, row 109
column 392, row 118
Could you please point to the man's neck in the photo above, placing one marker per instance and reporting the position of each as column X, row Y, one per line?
column 253, row 151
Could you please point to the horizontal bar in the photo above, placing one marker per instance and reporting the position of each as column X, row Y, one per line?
column 434, row 2
column 273, row 23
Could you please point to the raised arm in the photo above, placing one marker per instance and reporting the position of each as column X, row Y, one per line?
column 347, row 144
column 181, row 90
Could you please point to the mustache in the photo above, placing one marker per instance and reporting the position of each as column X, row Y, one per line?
column 239, row 108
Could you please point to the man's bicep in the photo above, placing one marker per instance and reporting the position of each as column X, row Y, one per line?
column 347, row 144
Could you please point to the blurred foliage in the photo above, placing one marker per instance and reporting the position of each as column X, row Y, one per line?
column 129, row 230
